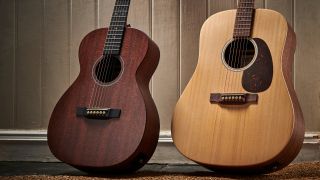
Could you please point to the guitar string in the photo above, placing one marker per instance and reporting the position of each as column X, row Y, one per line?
column 121, row 12
column 249, row 18
column 107, row 66
column 236, row 58
column 100, row 68
column 242, row 62
column 234, row 75
column 227, row 83
column 243, row 25
column 110, row 47
column 109, row 72
column 97, row 74
column 248, row 38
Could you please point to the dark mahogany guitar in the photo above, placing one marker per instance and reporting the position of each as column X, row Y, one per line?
column 107, row 120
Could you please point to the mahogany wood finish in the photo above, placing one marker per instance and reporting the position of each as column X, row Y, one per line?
column 115, row 145
column 261, row 137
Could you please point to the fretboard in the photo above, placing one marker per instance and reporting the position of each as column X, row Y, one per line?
column 244, row 19
column 117, row 27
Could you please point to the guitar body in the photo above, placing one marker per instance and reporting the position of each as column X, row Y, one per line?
column 259, row 137
column 113, row 145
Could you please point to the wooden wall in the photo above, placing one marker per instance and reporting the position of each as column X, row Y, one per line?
column 40, row 39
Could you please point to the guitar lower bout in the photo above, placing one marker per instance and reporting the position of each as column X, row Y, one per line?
column 239, row 112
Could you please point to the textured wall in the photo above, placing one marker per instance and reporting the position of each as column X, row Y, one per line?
column 40, row 40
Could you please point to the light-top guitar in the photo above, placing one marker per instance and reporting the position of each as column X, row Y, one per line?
column 239, row 112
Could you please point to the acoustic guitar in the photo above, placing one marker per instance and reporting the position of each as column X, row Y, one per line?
column 239, row 112
column 107, row 121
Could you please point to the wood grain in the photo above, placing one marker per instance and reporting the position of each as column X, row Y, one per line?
column 105, row 9
column 165, row 33
column 83, row 20
column 139, row 15
column 259, row 3
column 285, row 7
column 7, row 63
column 61, row 50
column 28, row 56
column 215, row 6
column 243, row 137
column 55, row 66
column 192, row 17
column 307, row 65
column 116, row 145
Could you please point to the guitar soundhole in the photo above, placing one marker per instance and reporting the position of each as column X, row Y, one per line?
column 239, row 54
column 108, row 69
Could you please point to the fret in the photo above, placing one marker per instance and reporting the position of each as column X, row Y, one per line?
column 121, row 18
column 113, row 42
column 116, row 34
column 106, row 52
column 115, row 21
column 244, row 13
column 242, row 28
column 122, row 5
column 113, row 34
column 112, row 47
column 239, row 26
column 121, row 13
column 244, row 18
column 117, row 30
column 114, row 39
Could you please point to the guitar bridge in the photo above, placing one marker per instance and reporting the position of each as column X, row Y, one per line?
column 233, row 98
column 98, row 113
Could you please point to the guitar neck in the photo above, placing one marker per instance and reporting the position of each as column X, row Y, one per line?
column 244, row 19
column 117, row 27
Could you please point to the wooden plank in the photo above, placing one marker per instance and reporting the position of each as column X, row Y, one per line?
column 83, row 21
column 55, row 65
column 165, row 32
column 7, row 63
column 218, row 5
column 28, row 64
column 259, row 3
column 105, row 9
column 193, row 14
column 140, row 15
column 140, row 18
column 307, row 64
column 285, row 7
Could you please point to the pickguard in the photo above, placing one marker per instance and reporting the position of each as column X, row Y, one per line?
column 258, row 77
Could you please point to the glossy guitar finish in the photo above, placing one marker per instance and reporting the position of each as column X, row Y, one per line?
column 114, row 145
column 259, row 137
